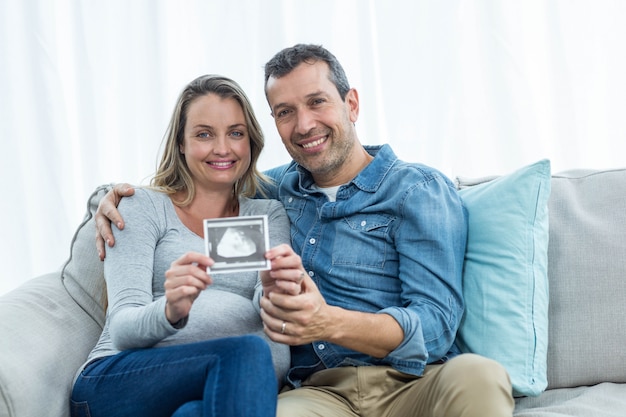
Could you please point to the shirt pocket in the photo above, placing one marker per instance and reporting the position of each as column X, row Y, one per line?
column 363, row 240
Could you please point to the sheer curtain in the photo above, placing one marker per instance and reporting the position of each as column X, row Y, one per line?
column 471, row 87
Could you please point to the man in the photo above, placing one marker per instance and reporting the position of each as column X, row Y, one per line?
column 372, row 325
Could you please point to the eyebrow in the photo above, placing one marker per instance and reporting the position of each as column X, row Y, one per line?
column 308, row 96
column 233, row 126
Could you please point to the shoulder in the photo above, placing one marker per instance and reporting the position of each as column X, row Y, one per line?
column 256, row 206
column 419, row 174
column 144, row 199
column 277, row 174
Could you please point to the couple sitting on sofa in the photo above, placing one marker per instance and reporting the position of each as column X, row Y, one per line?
column 374, row 291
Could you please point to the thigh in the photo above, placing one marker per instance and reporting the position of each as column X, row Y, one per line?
column 143, row 382
column 326, row 393
column 351, row 391
column 466, row 386
column 312, row 402
column 157, row 381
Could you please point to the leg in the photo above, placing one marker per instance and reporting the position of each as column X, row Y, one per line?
column 467, row 386
column 192, row 408
column 158, row 381
column 324, row 394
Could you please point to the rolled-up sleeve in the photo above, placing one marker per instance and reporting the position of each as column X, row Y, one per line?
column 430, row 240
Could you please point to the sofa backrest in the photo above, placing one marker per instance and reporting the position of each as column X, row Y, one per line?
column 585, row 246
column 586, row 272
column 83, row 273
column 587, row 278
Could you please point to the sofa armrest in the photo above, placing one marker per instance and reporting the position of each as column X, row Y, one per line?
column 44, row 338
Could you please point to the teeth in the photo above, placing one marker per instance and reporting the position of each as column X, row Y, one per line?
column 221, row 164
column 314, row 143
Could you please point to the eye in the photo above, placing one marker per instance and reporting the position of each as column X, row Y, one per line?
column 282, row 113
column 203, row 135
column 317, row 101
column 237, row 134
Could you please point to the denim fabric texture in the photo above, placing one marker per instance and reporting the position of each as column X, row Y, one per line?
column 223, row 377
column 393, row 243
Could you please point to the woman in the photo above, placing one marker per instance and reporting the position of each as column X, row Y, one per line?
column 178, row 341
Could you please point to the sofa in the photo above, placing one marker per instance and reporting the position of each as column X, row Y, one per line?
column 571, row 349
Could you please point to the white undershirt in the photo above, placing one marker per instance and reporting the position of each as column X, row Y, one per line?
column 331, row 192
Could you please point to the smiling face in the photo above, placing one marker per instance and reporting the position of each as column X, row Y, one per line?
column 216, row 144
column 315, row 125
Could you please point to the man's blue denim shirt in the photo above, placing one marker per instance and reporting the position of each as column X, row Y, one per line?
column 392, row 243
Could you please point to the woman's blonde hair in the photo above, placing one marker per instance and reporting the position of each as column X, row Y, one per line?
column 173, row 174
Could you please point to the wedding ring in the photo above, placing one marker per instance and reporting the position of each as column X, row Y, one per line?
column 282, row 328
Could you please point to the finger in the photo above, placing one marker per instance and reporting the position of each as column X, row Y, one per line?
column 307, row 299
column 270, row 311
column 281, row 331
column 279, row 251
column 187, row 275
column 103, row 234
column 103, row 219
column 111, row 215
column 193, row 258
column 108, row 204
column 100, row 246
column 288, row 287
column 123, row 190
column 179, row 302
column 285, row 332
column 294, row 275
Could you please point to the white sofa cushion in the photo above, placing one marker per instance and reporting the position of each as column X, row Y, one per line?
column 83, row 273
column 44, row 337
column 602, row 400
column 587, row 273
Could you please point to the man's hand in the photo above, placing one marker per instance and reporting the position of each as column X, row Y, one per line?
column 286, row 272
column 297, row 319
column 295, row 312
column 107, row 213
column 184, row 281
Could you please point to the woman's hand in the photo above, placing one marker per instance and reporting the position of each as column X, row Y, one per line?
column 184, row 281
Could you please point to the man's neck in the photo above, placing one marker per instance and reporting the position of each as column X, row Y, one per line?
column 353, row 165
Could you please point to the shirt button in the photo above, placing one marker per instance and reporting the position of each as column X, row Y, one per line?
column 312, row 241
column 321, row 346
column 311, row 273
column 290, row 199
column 363, row 223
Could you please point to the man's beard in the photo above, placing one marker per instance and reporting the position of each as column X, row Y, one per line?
column 332, row 159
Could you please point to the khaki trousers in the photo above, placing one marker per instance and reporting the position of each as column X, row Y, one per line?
column 466, row 386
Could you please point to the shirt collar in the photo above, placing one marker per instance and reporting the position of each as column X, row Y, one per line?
column 370, row 178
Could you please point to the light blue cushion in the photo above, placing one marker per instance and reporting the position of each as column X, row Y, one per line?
column 505, row 276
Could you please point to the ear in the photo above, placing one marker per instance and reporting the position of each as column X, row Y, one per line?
column 352, row 103
column 181, row 149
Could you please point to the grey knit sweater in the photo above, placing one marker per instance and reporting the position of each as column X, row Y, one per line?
column 135, row 268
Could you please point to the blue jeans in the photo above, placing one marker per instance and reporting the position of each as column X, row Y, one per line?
column 223, row 377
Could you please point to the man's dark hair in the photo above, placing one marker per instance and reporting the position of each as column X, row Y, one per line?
column 289, row 58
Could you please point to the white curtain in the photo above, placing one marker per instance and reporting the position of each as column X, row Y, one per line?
column 471, row 87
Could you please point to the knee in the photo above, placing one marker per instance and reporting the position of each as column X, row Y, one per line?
column 479, row 384
column 252, row 347
column 193, row 408
column 479, row 369
column 480, row 373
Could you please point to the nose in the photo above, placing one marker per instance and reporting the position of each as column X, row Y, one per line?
column 221, row 145
column 305, row 121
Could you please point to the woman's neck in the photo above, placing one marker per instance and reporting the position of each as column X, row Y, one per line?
column 206, row 206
